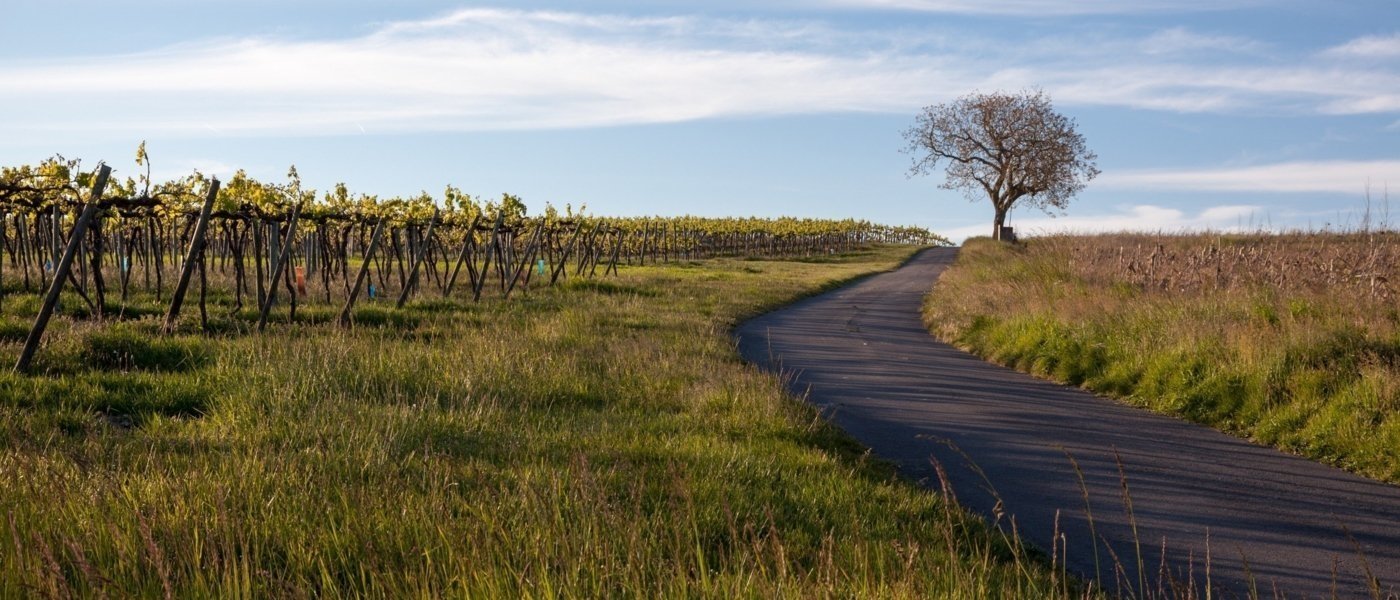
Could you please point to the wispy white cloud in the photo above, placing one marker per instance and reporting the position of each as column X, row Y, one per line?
column 1047, row 7
column 1371, row 46
column 485, row 69
column 1178, row 40
column 1345, row 177
column 1144, row 217
column 475, row 69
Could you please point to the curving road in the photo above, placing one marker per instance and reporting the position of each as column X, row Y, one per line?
column 863, row 356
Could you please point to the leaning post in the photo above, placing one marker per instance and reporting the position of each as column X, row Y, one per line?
column 191, row 258
column 283, row 256
column 418, row 260
column 528, row 256
column 462, row 256
column 31, row 343
column 564, row 255
column 495, row 241
column 364, row 272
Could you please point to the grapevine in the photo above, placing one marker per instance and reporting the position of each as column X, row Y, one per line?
column 141, row 234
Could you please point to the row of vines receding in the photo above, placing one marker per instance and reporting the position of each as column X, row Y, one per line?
column 119, row 245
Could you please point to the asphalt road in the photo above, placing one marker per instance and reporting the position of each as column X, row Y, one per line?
column 863, row 356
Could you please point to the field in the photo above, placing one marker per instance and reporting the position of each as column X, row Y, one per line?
column 596, row 438
column 1291, row 340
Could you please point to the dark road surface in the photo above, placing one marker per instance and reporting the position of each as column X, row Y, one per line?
column 862, row 355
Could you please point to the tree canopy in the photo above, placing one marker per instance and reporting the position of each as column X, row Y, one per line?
column 1009, row 148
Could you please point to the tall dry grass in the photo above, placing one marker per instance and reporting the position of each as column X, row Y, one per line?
column 599, row 439
column 1292, row 339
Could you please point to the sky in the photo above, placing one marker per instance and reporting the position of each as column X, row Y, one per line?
column 1205, row 114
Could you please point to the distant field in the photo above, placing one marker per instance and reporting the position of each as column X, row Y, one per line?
column 1291, row 340
column 598, row 438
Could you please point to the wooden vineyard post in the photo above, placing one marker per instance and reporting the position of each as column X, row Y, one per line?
column 505, row 253
column 364, row 272
column 589, row 253
column 55, row 237
column 3, row 216
column 31, row 344
column 462, row 256
column 282, row 257
column 98, row 285
column 258, row 227
column 563, row 262
column 191, row 258
column 495, row 240
column 423, row 247
column 526, row 257
column 612, row 264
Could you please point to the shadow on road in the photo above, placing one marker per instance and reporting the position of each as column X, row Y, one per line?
column 862, row 355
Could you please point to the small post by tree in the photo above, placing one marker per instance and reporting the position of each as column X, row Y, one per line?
column 1012, row 148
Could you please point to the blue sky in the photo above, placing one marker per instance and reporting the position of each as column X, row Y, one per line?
column 1204, row 114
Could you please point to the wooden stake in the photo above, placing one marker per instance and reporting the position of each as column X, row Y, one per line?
column 612, row 265
column 364, row 272
column 590, row 248
column 563, row 262
column 282, row 257
column 31, row 344
column 423, row 246
column 191, row 258
column 526, row 257
column 462, row 256
column 495, row 239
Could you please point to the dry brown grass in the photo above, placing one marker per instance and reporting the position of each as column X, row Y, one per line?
column 1293, row 339
column 1358, row 266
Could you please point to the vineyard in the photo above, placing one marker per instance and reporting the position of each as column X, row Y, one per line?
column 119, row 244
column 594, row 438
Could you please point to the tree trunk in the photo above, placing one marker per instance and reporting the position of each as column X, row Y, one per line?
column 997, row 222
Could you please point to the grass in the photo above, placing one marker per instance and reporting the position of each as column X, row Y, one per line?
column 595, row 439
column 1290, row 340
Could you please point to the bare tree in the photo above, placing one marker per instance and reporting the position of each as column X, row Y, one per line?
column 1011, row 147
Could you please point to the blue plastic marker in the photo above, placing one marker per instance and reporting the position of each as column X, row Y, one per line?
column 371, row 291
column 539, row 267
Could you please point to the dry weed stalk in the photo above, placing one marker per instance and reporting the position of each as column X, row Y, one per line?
column 1361, row 266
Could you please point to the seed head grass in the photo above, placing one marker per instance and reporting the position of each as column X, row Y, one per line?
column 596, row 439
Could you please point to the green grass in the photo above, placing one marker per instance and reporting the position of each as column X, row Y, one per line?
column 596, row 439
column 1310, row 368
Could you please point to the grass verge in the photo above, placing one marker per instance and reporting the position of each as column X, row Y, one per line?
column 1292, row 340
column 587, row 440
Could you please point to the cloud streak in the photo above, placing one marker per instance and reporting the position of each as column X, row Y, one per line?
column 1342, row 177
column 492, row 69
column 1179, row 40
column 1371, row 46
column 1143, row 217
column 473, row 70
column 1040, row 8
